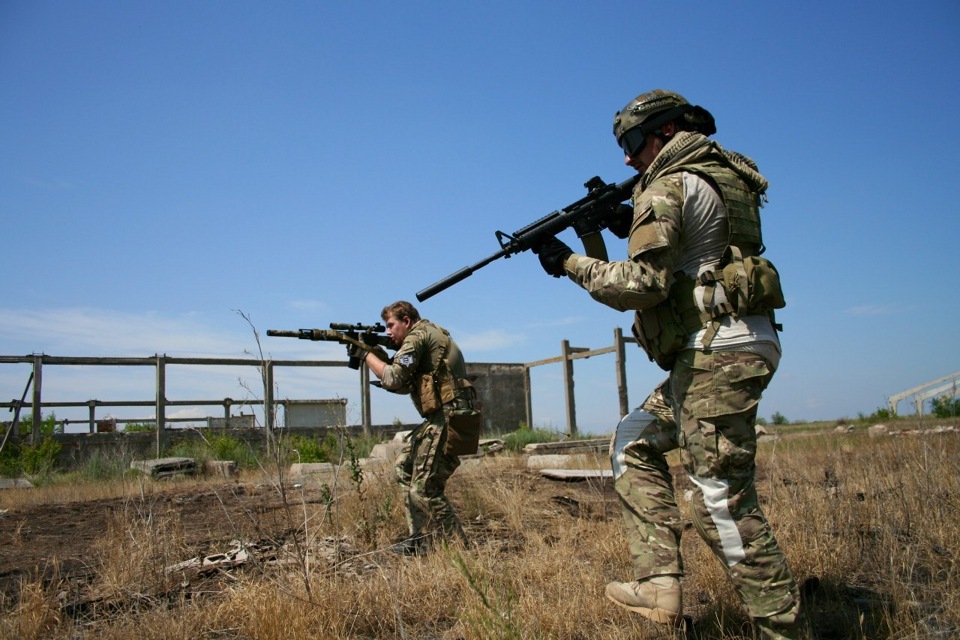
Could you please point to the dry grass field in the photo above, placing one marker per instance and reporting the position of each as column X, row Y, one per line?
column 871, row 526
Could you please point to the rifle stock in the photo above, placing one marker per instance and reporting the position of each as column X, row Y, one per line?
column 587, row 216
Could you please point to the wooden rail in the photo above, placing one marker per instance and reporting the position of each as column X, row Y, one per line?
column 160, row 362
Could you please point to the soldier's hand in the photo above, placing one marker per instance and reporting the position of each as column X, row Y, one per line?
column 620, row 220
column 353, row 351
column 552, row 254
column 381, row 353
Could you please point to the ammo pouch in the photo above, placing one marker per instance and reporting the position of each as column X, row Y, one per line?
column 752, row 284
column 663, row 330
column 427, row 393
column 433, row 398
column 463, row 433
column 661, row 333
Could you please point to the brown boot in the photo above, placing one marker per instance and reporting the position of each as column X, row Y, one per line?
column 658, row 598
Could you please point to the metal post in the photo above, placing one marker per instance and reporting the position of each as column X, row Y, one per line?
column 568, row 389
column 621, row 371
column 227, row 402
column 93, row 416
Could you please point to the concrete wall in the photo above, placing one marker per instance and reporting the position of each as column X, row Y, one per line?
column 500, row 389
column 314, row 413
column 77, row 448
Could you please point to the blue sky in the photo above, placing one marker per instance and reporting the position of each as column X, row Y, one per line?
column 166, row 165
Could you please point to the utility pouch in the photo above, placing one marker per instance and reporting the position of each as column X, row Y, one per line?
column 448, row 390
column 752, row 284
column 660, row 334
column 463, row 433
column 429, row 402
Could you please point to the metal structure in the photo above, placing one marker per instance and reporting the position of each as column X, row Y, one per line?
column 920, row 394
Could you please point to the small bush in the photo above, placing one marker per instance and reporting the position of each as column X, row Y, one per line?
column 34, row 460
column 779, row 419
column 48, row 425
column 216, row 447
column 307, row 449
column 140, row 427
column 944, row 407
column 517, row 440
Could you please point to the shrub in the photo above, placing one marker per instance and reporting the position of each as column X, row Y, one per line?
column 944, row 407
column 140, row 427
column 48, row 425
column 35, row 460
column 516, row 440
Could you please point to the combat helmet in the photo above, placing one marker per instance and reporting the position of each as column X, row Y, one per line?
column 649, row 111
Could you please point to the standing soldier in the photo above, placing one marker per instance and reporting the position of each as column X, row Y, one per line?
column 704, row 303
column 429, row 366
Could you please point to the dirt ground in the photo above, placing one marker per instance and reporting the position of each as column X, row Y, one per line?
column 63, row 539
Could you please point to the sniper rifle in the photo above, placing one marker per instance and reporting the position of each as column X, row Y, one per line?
column 357, row 337
column 588, row 215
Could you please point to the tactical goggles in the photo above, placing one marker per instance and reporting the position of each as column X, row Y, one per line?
column 633, row 141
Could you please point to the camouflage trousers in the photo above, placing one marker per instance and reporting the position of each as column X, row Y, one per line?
column 707, row 408
column 422, row 470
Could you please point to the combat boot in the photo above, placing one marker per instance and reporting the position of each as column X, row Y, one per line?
column 777, row 628
column 412, row 546
column 658, row 598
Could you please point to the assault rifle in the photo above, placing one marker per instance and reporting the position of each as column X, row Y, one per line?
column 587, row 216
column 361, row 336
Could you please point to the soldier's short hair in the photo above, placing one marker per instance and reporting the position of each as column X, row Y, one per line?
column 400, row 309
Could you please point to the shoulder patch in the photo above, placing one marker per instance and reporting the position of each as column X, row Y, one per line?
column 405, row 360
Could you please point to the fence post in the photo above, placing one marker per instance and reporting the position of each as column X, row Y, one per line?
column 93, row 416
column 161, row 409
column 37, row 417
column 268, row 403
column 621, row 371
column 365, row 419
column 528, row 395
column 568, row 389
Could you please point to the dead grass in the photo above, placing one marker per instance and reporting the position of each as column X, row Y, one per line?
column 870, row 525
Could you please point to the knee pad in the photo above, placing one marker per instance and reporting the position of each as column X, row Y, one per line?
column 631, row 428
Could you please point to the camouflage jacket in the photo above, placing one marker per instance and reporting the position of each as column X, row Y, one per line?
column 659, row 245
column 422, row 356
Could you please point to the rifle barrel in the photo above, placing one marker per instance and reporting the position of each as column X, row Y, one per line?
column 283, row 333
column 457, row 276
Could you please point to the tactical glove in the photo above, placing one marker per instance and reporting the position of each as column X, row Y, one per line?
column 353, row 351
column 552, row 254
column 381, row 353
column 620, row 220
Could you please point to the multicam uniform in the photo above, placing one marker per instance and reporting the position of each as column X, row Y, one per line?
column 430, row 367
column 693, row 202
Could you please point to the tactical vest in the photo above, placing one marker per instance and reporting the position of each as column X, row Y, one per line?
column 438, row 387
column 664, row 329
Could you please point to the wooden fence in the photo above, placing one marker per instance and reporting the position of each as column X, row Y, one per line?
column 266, row 370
